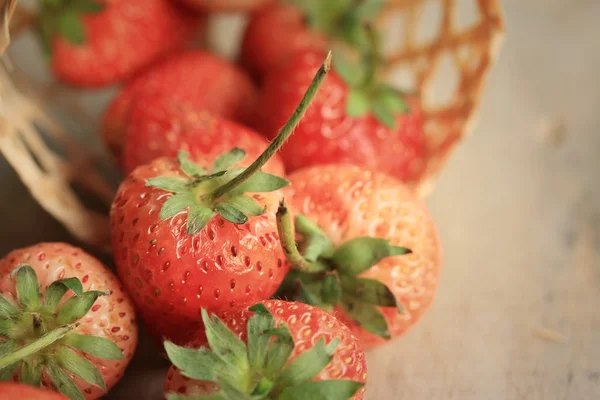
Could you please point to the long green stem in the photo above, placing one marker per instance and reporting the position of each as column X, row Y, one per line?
column 283, row 135
column 35, row 346
column 285, row 229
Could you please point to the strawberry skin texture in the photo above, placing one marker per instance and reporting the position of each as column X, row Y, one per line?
column 160, row 126
column 328, row 135
column 10, row 390
column 171, row 274
column 349, row 202
column 199, row 78
column 226, row 5
column 121, row 39
column 112, row 317
column 308, row 325
column 274, row 34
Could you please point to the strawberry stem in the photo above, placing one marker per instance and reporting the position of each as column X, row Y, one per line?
column 283, row 135
column 35, row 346
column 288, row 242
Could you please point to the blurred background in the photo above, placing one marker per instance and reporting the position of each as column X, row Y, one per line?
column 518, row 209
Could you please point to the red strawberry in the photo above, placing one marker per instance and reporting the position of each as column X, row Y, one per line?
column 100, row 42
column 276, row 32
column 343, row 124
column 9, row 390
column 186, row 236
column 226, row 5
column 351, row 222
column 202, row 79
column 308, row 352
column 73, row 307
column 160, row 126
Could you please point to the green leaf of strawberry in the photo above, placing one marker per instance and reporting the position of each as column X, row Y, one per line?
column 358, row 255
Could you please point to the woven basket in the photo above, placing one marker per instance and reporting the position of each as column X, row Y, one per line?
column 442, row 49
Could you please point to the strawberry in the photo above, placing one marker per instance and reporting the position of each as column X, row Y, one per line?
column 202, row 79
column 160, row 126
column 65, row 321
column 275, row 349
column 346, row 123
column 96, row 43
column 226, row 5
column 10, row 390
column 355, row 229
column 277, row 31
column 186, row 236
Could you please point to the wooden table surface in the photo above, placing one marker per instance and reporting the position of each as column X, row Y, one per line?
column 518, row 209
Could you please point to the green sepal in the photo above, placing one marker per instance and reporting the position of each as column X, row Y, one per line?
column 8, row 372
column 189, row 167
column 257, row 342
column 197, row 218
column 259, row 308
column 351, row 73
column 6, row 347
column 228, row 160
column 315, row 243
column 81, row 367
column 307, row 365
column 87, row 6
column 279, row 351
column 168, row 183
column 370, row 291
column 70, row 26
column 332, row 289
column 383, row 114
column 231, row 213
column 360, row 254
column 358, row 103
column 201, row 364
column 31, row 373
column 77, row 307
column 321, row 390
column 63, row 382
column 8, row 310
column 260, row 182
column 369, row 9
column 6, row 327
column 175, row 204
column 28, row 287
column 263, row 388
column 367, row 316
column 393, row 100
column 225, row 344
column 93, row 345
column 246, row 205
column 57, row 290
column 232, row 393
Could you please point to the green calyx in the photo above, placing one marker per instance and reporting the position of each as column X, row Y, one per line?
column 343, row 20
column 366, row 93
column 37, row 334
column 64, row 18
column 351, row 22
column 327, row 277
column 258, row 369
column 203, row 194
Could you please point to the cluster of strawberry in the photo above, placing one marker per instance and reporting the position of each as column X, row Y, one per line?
column 259, row 286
